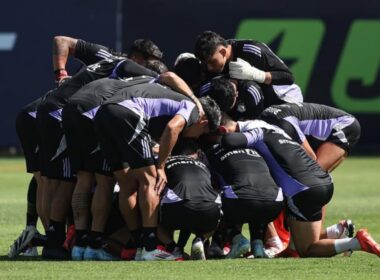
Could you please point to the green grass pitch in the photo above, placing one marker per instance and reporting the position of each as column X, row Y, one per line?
column 357, row 196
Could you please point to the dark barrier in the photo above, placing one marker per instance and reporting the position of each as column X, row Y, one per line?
column 26, row 32
column 332, row 47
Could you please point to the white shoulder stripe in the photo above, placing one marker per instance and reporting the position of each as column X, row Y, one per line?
column 273, row 53
column 252, row 47
column 205, row 88
column 104, row 52
column 252, row 51
column 255, row 93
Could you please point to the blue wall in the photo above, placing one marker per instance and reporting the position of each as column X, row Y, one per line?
column 26, row 70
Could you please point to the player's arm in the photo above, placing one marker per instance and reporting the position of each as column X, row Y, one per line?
column 244, row 139
column 234, row 140
column 272, row 69
column 242, row 70
column 167, row 141
column 280, row 73
column 63, row 47
column 176, row 83
column 128, row 68
column 87, row 52
column 308, row 149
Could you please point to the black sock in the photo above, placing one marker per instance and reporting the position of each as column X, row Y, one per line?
column 31, row 213
column 183, row 237
column 31, row 219
column 217, row 237
column 55, row 234
column 231, row 232
column 137, row 237
column 95, row 239
column 149, row 238
column 170, row 247
column 257, row 231
column 38, row 240
column 70, row 217
column 130, row 245
column 81, row 239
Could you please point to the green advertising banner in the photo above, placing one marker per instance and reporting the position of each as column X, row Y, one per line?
column 355, row 86
column 299, row 42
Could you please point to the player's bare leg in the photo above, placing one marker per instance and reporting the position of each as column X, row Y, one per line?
column 101, row 202
column 329, row 156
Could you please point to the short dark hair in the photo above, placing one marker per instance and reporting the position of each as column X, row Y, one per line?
column 206, row 44
column 147, row 48
column 189, row 70
column 222, row 91
column 212, row 112
column 156, row 65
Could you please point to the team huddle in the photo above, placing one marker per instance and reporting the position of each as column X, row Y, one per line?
column 125, row 152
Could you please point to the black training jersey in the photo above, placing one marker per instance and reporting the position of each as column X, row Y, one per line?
column 282, row 88
column 249, row 103
column 88, row 99
column 242, row 173
column 307, row 119
column 262, row 57
column 90, row 53
column 31, row 108
column 114, row 67
column 157, row 105
column 188, row 179
column 292, row 169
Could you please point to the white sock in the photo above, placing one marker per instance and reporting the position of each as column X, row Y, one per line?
column 345, row 244
column 275, row 242
column 334, row 231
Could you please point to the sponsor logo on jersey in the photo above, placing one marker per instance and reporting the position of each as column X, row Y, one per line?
column 285, row 141
column 249, row 152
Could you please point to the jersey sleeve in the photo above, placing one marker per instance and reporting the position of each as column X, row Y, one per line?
column 281, row 74
column 90, row 53
column 189, row 112
column 251, row 95
column 234, row 140
column 128, row 68
column 299, row 136
column 243, row 139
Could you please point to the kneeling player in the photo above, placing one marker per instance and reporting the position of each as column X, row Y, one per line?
column 332, row 132
column 306, row 186
column 125, row 124
column 249, row 196
column 189, row 202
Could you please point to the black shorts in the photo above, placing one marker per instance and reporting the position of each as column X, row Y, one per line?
column 307, row 205
column 54, row 159
column 26, row 127
column 197, row 217
column 82, row 142
column 241, row 211
column 347, row 137
column 121, row 143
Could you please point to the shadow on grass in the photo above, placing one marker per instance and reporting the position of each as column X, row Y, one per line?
column 24, row 259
